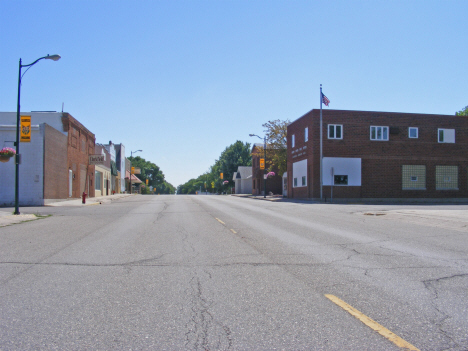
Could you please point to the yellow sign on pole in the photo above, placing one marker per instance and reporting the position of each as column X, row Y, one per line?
column 25, row 136
column 146, row 181
column 221, row 175
column 133, row 170
column 262, row 163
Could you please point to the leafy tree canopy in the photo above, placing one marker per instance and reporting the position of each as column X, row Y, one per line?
column 463, row 112
column 276, row 138
column 237, row 154
column 154, row 175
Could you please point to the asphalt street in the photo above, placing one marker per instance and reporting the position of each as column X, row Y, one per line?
column 230, row 273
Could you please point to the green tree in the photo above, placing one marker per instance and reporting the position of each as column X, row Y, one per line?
column 237, row 154
column 276, row 138
column 154, row 175
column 463, row 112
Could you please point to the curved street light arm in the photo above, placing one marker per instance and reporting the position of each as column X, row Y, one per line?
column 53, row 57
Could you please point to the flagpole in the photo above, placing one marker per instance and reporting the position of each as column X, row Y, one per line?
column 321, row 145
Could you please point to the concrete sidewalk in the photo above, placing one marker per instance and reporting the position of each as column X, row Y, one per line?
column 89, row 201
column 7, row 217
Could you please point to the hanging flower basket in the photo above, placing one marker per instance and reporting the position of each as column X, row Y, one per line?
column 225, row 182
column 6, row 153
column 270, row 174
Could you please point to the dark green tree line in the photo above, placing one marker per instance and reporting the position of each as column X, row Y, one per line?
column 237, row 154
column 154, row 175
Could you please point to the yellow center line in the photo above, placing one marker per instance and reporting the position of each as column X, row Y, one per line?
column 232, row 230
column 220, row 221
column 372, row 324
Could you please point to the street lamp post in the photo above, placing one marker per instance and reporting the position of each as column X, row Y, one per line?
column 17, row 157
column 130, row 177
column 264, row 160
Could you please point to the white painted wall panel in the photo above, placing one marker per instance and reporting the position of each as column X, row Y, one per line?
column 342, row 166
column 299, row 171
column 31, row 169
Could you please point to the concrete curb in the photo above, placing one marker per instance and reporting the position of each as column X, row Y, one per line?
column 7, row 218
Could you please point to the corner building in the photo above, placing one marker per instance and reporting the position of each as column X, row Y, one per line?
column 378, row 155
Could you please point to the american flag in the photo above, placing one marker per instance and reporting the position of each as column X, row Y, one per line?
column 325, row 100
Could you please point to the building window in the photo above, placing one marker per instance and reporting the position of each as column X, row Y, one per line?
column 446, row 177
column 378, row 133
column 295, row 182
column 335, row 131
column 413, row 132
column 446, row 135
column 340, row 180
column 293, row 140
column 306, row 134
column 413, row 177
column 98, row 176
column 304, row 181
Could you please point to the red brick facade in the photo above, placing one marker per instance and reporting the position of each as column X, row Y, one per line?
column 382, row 161
column 81, row 143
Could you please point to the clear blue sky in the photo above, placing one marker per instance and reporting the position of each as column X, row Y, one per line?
column 182, row 80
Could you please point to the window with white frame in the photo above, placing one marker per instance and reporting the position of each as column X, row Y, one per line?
column 335, row 131
column 413, row 132
column 446, row 135
column 293, row 140
column 306, row 134
column 446, row 177
column 300, row 172
column 378, row 133
column 413, row 177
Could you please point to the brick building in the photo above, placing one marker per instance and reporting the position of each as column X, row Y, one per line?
column 81, row 144
column 273, row 184
column 54, row 165
column 378, row 155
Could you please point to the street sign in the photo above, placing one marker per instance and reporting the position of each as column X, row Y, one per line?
column 96, row 159
column 221, row 176
column 262, row 163
column 137, row 170
column 133, row 170
column 25, row 129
